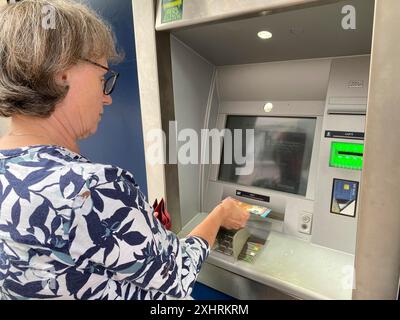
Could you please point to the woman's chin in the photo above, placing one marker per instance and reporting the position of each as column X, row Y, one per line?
column 88, row 134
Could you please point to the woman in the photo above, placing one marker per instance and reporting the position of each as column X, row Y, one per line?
column 70, row 228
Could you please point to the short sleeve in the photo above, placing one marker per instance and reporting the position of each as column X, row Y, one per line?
column 113, row 227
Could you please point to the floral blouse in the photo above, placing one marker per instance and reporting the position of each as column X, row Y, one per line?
column 73, row 229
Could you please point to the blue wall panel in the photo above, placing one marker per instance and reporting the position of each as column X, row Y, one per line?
column 203, row 292
column 119, row 138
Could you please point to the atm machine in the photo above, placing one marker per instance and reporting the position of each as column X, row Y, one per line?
column 307, row 169
column 304, row 97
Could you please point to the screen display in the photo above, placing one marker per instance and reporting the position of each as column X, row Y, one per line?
column 282, row 152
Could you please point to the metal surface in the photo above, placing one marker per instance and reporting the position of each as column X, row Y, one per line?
column 332, row 230
column 192, row 85
column 304, row 33
column 146, row 55
column 167, row 103
column 203, row 11
column 286, row 263
column 378, row 236
column 238, row 286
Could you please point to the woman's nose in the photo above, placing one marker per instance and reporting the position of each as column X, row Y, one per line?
column 107, row 100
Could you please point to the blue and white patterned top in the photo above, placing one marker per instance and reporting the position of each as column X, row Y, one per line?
column 72, row 229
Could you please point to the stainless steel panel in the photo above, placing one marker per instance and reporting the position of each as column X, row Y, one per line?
column 237, row 286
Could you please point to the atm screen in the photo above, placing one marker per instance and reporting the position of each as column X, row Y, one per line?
column 282, row 152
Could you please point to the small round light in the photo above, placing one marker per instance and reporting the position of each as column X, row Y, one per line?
column 265, row 12
column 264, row 35
column 268, row 107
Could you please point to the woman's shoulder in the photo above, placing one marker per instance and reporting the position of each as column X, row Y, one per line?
column 59, row 164
column 93, row 171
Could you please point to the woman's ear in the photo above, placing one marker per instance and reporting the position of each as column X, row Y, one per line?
column 62, row 79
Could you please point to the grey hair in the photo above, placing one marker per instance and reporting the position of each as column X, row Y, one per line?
column 31, row 55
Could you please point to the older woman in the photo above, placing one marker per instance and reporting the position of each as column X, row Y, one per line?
column 70, row 228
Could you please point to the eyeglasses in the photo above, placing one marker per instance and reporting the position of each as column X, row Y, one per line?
column 110, row 81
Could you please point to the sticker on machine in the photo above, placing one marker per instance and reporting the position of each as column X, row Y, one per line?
column 344, row 197
column 171, row 10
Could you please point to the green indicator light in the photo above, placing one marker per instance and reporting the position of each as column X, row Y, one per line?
column 346, row 155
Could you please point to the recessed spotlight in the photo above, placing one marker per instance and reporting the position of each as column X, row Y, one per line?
column 268, row 107
column 264, row 35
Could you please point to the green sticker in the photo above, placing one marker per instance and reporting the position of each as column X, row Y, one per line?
column 171, row 10
column 346, row 155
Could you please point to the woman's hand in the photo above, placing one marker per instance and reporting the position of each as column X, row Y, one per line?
column 227, row 214
column 233, row 216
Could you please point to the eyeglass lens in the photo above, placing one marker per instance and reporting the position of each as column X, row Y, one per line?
column 109, row 84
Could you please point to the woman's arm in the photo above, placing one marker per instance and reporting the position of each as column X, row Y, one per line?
column 115, row 228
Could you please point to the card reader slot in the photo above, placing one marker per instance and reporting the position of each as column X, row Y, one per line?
column 345, row 153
